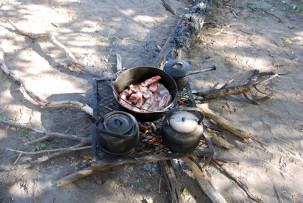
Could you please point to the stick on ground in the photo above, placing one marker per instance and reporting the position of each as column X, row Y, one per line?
column 204, row 183
column 225, row 124
column 236, row 180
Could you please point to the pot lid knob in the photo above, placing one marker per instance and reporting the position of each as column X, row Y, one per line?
column 177, row 68
column 118, row 123
column 183, row 122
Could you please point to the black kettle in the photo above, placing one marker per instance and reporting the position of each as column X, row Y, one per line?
column 182, row 130
column 118, row 133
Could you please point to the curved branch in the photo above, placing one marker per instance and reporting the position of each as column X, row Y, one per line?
column 50, row 150
column 42, row 102
column 47, row 134
column 54, row 41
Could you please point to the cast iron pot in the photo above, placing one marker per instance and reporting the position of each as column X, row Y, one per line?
column 138, row 75
column 179, row 71
column 118, row 133
column 182, row 130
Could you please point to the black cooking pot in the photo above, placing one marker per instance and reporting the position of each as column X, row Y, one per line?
column 179, row 71
column 138, row 75
column 118, row 133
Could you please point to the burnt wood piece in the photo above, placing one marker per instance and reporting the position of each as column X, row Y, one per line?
column 183, row 36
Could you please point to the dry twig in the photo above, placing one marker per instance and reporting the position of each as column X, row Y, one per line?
column 74, row 177
column 50, row 150
column 54, row 41
column 239, row 183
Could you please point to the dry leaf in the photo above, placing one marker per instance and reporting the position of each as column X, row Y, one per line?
column 89, row 157
column 287, row 41
column 293, row 27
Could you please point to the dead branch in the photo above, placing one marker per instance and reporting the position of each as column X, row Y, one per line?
column 54, row 41
column 50, row 150
column 236, row 180
column 253, row 77
column 82, row 145
column 39, row 160
column 184, row 34
column 74, row 177
column 171, row 181
column 168, row 8
column 48, row 135
column 42, row 102
column 225, row 124
column 219, row 141
column 204, row 182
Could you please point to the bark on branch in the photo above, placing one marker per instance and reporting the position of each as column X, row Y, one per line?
column 185, row 33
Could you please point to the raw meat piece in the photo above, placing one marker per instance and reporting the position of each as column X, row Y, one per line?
column 135, row 97
column 140, row 102
column 125, row 93
column 154, row 86
column 147, row 94
column 162, row 90
column 166, row 99
column 150, row 81
column 137, row 88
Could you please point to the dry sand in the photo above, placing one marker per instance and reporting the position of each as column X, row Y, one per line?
column 238, row 36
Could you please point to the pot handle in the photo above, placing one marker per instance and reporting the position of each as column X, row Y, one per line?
column 193, row 109
column 112, row 134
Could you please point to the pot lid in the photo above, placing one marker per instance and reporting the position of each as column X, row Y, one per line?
column 118, row 122
column 177, row 68
column 183, row 122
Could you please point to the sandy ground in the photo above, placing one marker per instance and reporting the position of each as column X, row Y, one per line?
column 238, row 36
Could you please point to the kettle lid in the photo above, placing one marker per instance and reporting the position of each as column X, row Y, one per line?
column 183, row 122
column 118, row 122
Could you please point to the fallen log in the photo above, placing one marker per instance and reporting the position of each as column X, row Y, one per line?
column 185, row 33
column 204, row 183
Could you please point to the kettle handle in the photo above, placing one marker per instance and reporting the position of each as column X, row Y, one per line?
column 117, row 135
column 193, row 109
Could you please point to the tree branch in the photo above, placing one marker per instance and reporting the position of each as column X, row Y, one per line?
column 42, row 102
column 54, row 41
